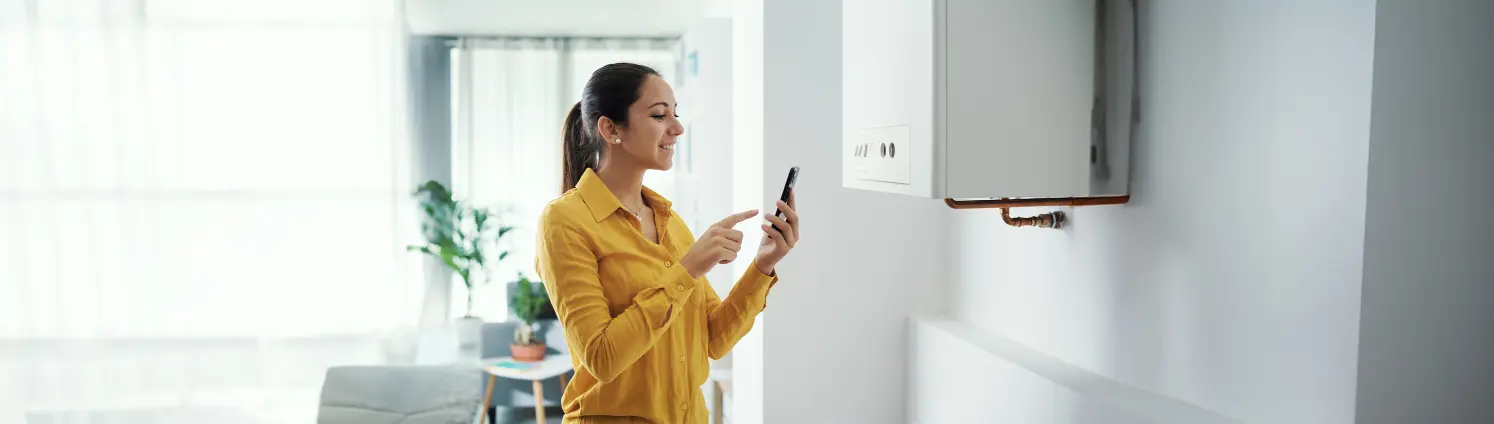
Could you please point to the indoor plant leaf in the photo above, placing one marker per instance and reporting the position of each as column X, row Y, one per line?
column 457, row 233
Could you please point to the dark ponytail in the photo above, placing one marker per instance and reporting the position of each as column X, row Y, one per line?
column 609, row 92
column 579, row 151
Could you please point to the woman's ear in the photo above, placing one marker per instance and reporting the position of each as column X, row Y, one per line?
column 608, row 130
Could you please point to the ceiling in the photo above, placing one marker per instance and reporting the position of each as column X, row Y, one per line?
column 558, row 17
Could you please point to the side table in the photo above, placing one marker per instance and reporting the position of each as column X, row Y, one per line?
column 554, row 365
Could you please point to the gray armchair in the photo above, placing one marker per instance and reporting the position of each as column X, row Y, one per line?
column 511, row 394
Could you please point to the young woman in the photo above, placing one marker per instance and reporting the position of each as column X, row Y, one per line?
column 626, row 277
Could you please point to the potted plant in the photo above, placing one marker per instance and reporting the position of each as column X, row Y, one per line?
column 527, row 304
column 461, row 236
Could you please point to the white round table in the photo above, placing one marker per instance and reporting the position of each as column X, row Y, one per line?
column 554, row 365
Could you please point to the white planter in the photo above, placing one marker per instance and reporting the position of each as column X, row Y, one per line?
column 469, row 336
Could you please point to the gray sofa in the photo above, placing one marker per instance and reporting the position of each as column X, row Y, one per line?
column 399, row 394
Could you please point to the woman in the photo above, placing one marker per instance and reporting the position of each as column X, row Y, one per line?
column 626, row 276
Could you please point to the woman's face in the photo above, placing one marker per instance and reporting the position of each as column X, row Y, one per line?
column 653, row 126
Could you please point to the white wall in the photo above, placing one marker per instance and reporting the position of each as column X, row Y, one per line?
column 835, row 331
column 1427, row 345
column 1232, row 280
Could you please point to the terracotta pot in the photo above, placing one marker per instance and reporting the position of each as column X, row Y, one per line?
column 528, row 353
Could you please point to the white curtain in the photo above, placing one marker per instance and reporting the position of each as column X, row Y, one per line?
column 510, row 97
column 201, row 204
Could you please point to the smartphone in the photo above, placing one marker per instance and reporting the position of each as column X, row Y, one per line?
column 788, row 186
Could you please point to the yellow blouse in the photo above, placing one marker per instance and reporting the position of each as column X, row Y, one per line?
column 639, row 327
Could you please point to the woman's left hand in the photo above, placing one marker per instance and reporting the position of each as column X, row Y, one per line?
column 777, row 243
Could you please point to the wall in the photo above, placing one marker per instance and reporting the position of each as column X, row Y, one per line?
column 1428, row 301
column 835, row 330
column 1232, row 280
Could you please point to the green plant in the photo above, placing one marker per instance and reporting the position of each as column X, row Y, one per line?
column 459, row 234
column 526, row 304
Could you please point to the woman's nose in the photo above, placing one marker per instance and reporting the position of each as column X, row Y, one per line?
column 675, row 128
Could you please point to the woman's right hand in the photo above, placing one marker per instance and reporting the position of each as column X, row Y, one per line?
column 717, row 245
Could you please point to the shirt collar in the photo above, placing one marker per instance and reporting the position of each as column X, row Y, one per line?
column 602, row 203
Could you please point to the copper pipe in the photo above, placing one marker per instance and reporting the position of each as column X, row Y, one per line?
column 1052, row 220
column 1036, row 201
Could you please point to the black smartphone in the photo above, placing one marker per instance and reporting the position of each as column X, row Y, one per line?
column 787, row 187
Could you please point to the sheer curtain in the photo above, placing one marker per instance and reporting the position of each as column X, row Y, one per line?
column 200, row 206
column 510, row 97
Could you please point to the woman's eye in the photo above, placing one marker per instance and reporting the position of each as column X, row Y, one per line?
column 660, row 117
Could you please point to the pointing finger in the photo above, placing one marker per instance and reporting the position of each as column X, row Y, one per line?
column 732, row 221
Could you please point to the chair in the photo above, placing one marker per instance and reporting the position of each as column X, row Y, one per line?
column 511, row 394
column 399, row 394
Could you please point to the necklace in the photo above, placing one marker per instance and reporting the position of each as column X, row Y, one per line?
column 636, row 213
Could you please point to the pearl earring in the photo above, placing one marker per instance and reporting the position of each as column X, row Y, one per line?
column 618, row 141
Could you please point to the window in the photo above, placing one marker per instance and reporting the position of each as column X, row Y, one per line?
column 200, row 203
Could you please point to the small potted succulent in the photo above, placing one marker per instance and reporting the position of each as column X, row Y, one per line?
column 527, row 304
